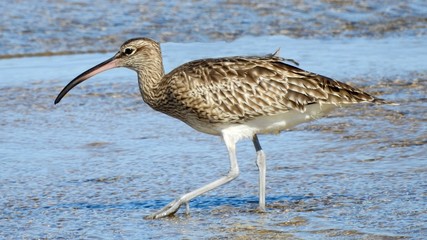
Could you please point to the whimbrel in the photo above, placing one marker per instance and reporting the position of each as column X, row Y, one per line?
column 231, row 97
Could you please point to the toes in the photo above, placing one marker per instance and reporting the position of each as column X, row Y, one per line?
column 168, row 210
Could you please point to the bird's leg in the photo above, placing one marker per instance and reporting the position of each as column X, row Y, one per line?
column 173, row 206
column 187, row 208
column 262, row 170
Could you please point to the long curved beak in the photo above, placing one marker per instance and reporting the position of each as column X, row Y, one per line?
column 104, row 66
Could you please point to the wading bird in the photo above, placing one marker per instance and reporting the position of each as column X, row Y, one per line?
column 231, row 97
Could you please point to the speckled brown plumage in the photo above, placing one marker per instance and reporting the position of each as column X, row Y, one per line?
column 238, row 89
column 232, row 89
column 234, row 97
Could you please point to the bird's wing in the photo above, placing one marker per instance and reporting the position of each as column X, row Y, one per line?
column 237, row 89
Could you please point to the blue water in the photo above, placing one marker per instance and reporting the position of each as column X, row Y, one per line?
column 94, row 165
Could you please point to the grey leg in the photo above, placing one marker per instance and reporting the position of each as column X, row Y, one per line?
column 173, row 206
column 262, row 172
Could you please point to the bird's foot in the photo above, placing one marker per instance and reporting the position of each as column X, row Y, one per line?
column 167, row 210
column 261, row 209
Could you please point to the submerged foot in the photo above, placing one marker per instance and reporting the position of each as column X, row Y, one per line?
column 167, row 210
column 261, row 209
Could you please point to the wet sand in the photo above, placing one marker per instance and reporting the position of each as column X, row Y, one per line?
column 63, row 27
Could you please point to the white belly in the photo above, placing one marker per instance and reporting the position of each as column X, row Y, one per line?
column 276, row 123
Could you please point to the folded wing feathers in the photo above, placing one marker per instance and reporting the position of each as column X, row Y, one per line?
column 241, row 88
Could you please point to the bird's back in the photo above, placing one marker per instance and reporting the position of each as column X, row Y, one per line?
column 239, row 89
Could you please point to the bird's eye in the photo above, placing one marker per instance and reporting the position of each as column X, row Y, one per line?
column 129, row 51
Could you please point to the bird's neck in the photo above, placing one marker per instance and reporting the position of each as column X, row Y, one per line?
column 149, row 80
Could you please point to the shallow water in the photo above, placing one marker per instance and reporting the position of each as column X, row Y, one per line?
column 97, row 163
column 94, row 165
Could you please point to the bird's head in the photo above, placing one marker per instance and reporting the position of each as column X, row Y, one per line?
column 134, row 54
